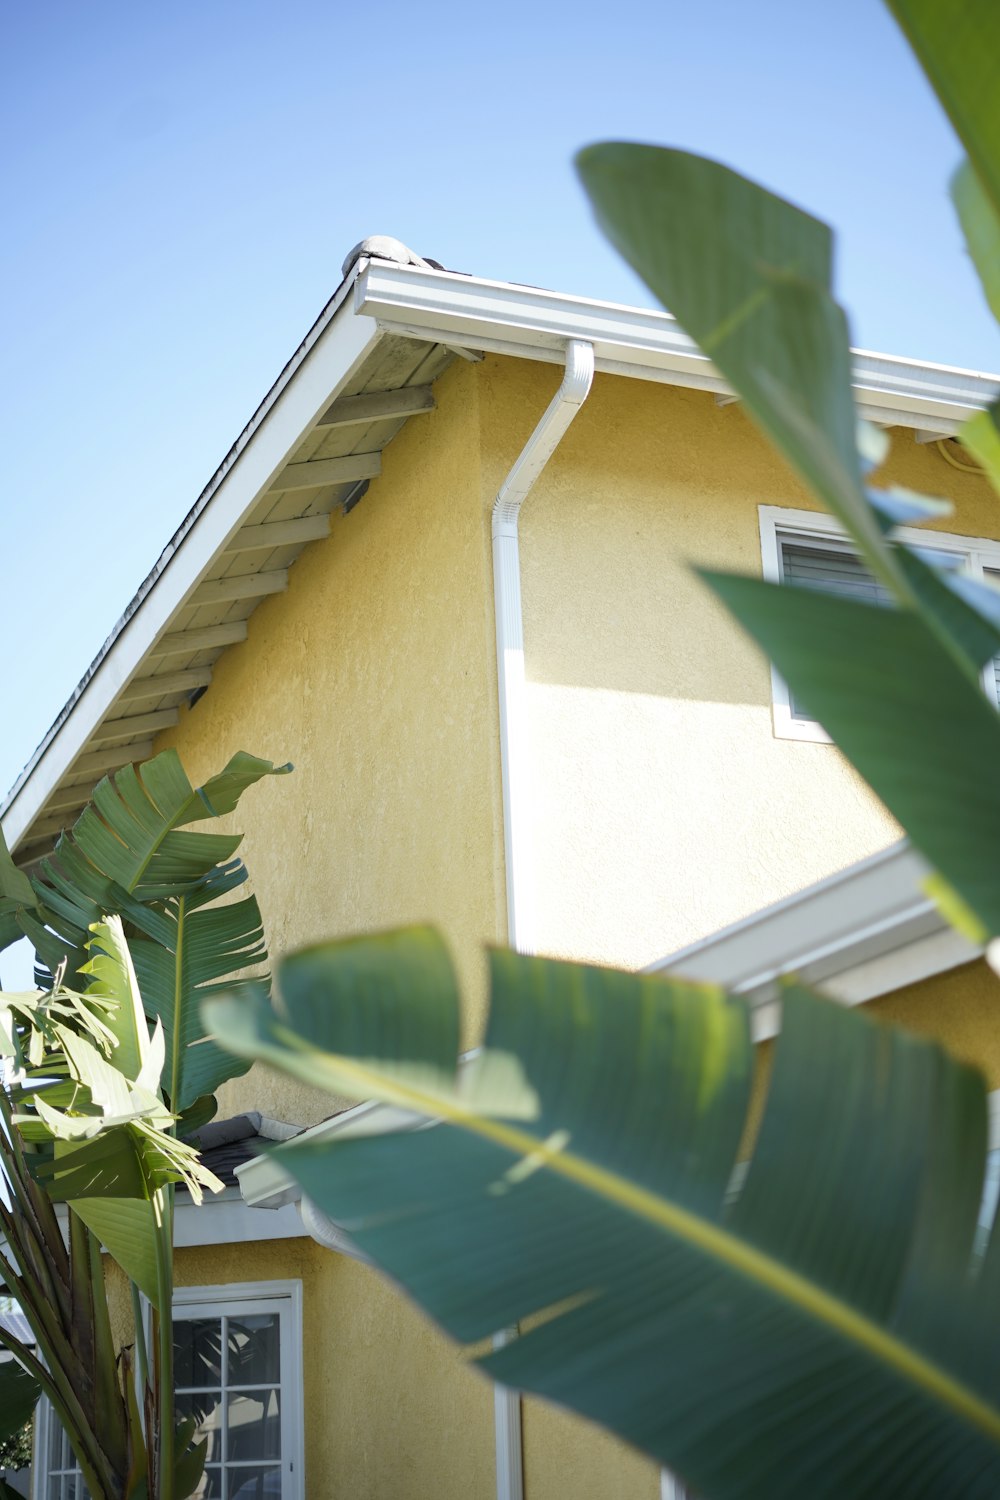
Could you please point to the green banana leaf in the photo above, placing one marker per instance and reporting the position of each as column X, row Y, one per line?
column 190, row 954
column 131, row 853
column 15, row 893
column 748, row 276
column 722, row 254
column 133, row 841
column 112, row 1146
column 827, row 1329
column 19, row 1394
column 980, row 223
column 981, row 436
column 924, row 738
column 957, row 45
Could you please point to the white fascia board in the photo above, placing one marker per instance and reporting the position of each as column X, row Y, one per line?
column 468, row 312
column 859, row 934
column 225, row 1219
column 324, row 363
column 220, row 1219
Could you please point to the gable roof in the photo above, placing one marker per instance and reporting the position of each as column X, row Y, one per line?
column 365, row 368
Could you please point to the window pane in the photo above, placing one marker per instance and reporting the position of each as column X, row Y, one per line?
column 197, row 1352
column 829, row 570
column 254, row 1357
column 209, row 1486
column 254, row 1425
column 206, row 1408
column 255, row 1484
column 832, row 571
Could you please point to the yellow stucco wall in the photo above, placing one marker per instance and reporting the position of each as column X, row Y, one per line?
column 960, row 1009
column 375, row 675
column 664, row 806
column 389, row 1409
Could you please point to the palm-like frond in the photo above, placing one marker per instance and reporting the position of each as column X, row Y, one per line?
column 133, row 853
column 827, row 1330
column 134, row 841
column 185, row 958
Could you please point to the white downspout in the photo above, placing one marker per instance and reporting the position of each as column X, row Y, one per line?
column 511, row 496
column 535, row 454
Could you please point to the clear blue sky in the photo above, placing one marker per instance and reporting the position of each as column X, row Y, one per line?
column 181, row 183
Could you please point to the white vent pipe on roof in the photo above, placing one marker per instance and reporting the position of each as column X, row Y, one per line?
column 517, row 817
column 517, row 813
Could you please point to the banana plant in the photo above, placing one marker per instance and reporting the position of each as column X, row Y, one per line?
column 133, row 924
column 78, row 1126
column 816, row 1321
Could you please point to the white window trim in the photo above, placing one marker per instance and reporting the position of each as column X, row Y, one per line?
column 215, row 1300
column 778, row 522
column 221, row 1299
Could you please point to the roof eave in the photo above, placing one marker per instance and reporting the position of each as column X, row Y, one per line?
column 322, row 365
column 639, row 342
column 862, row 933
column 460, row 312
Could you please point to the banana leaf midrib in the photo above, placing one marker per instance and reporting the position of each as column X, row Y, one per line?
column 766, row 1271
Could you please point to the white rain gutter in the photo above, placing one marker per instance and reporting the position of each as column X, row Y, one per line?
column 532, row 323
column 537, row 451
column 572, row 393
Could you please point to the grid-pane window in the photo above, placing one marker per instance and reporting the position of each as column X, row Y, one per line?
column 228, row 1379
column 236, row 1371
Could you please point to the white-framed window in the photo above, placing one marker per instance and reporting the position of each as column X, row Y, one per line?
column 238, row 1371
column 811, row 550
column 55, row 1474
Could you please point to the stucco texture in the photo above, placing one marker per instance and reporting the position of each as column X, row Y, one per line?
column 664, row 805
column 374, row 674
column 568, row 1459
column 389, row 1408
column 961, row 1009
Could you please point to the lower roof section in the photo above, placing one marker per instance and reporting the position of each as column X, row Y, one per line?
column 859, row 934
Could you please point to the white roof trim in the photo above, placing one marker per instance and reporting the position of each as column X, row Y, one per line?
column 860, row 934
column 221, row 1219
column 461, row 312
column 320, row 368
column 466, row 311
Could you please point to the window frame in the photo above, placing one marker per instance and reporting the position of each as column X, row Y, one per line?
column 283, row 1297
column 780, row 523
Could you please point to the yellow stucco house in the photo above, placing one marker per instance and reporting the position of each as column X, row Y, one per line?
column 446, row 571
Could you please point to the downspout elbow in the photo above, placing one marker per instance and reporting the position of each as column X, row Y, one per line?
column 572, row 393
